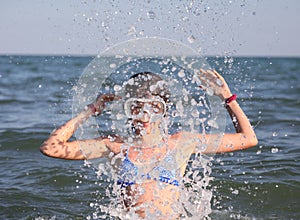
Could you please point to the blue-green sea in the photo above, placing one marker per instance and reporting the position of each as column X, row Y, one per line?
column 258, row 183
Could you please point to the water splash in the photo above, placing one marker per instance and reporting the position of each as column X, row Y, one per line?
column 190, row 110
column 194, row 201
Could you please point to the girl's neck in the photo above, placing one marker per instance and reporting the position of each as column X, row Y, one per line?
column 150, row 141
column 153, row 137
column 145, row 154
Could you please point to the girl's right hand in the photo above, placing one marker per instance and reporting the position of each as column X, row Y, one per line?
column 99, row 104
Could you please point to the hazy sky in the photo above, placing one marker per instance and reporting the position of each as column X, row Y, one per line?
column 212, row 27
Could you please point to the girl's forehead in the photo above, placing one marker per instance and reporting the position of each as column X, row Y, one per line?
column 146, row 98
column 143, row 95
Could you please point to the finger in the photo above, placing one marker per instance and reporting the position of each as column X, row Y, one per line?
column 217, row 74
column 204, row 74
column 208, row 74
column 211, row 75
column 214, row 78
column 203, row 80
column 208, row 77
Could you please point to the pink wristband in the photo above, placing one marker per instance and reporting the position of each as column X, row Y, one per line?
column 230, row 99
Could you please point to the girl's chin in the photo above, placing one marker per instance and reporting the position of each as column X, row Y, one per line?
column 141, row 128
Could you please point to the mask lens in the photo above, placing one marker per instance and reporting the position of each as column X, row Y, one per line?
column 134, row 106
column 158, row 107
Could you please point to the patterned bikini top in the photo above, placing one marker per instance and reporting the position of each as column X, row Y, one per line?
column 131, row 173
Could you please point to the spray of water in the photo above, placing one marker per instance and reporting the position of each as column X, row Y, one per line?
column 189, row 110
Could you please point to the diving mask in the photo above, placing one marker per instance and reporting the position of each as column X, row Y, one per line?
column 136, row 107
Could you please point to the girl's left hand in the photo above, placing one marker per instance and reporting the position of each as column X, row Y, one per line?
column 214, row 81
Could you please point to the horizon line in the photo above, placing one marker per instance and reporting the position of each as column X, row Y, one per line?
column 202, row 55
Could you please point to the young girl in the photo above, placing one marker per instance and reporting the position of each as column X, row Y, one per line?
column 153, row 162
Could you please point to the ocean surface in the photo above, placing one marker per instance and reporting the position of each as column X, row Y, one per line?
column 258, row 183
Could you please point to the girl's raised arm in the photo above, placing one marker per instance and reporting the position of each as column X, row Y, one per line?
column 245, row 136
column 59, row 146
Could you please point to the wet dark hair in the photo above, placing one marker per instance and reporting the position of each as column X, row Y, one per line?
column 145, row 84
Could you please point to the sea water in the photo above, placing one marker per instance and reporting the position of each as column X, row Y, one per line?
column 36, row 97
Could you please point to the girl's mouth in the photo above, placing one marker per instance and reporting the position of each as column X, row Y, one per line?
column 140, row 125
column 145, row 124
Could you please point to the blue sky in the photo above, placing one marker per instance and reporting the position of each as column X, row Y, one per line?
column 212, row 27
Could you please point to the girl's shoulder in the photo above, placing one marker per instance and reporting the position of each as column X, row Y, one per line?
column 185, row 140
column 182, row 136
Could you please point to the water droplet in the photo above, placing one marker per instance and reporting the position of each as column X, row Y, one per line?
column 213, row 123
column 117, row 88
column 195, row 114
column 191, row 39
column 180, row 107
column 199, row 50
column 112, row 65
column 258, row 152
column 120, row 116
column 40, row 86
column 210, row 91
column 193, row 102
column 181, row 73
column 274, row 150
column 274, row 134
column 236, row 192
column 186, row 98
column 219, row 82
column 142, row 33
column 185, row 19
column 151, row 15
column 206, row 9
column 131, row 30
column 130, row 140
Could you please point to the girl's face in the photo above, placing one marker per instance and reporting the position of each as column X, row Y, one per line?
column 145, row 108
column 144, row 113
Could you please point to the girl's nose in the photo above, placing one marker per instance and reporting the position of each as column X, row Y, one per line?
column 145, row 116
